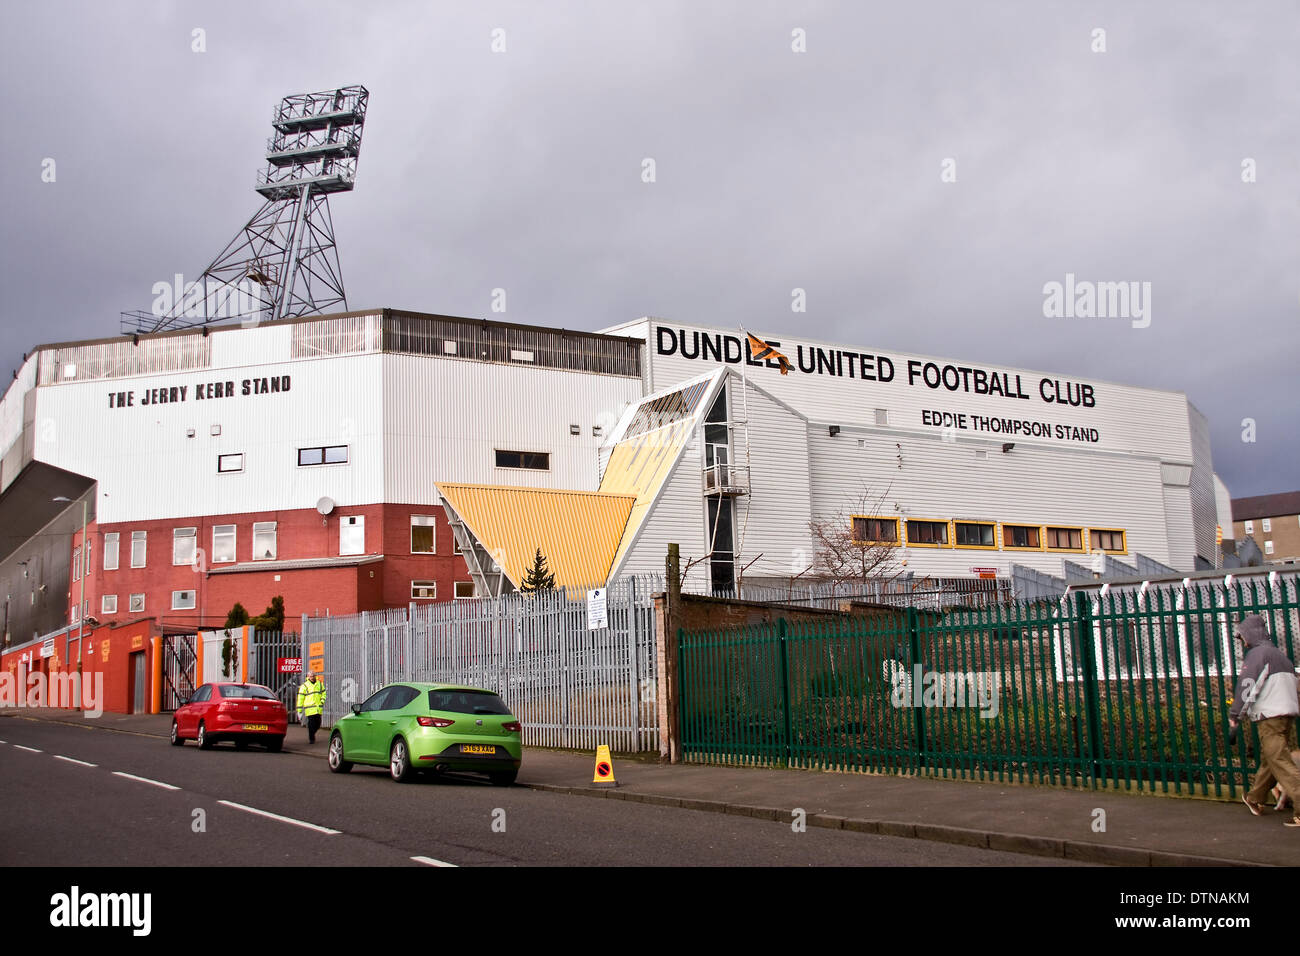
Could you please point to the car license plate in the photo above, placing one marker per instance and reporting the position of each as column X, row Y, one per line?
column 256, row 727
column 477, row 749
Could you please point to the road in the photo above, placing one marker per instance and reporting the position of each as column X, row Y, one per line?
column 84, row 796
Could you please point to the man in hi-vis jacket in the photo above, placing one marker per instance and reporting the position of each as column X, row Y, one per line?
column 1266, row 694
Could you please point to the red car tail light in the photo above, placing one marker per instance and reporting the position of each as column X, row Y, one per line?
column 513, row 727
column 434, row 722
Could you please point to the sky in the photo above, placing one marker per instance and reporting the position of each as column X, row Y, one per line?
column 921, row 171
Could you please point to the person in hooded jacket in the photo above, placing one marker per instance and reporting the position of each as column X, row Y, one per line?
column 1266, row 695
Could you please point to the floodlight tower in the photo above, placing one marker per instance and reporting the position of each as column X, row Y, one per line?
column 284, row 261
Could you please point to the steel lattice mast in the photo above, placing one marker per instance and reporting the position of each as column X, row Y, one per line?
column 284, row 261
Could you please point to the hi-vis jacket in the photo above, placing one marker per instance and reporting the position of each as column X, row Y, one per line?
column 311, row 697
column 1267, row 686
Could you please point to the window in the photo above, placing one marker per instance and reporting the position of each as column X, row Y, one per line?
column 202, row 694
column 223, row 543
column 931, row 533
column 1065, row 539
column 882, row 416
column 110, row 551
column 867, row 530
column 422, row 534
column 975, row 534
column 139, row 540
column 1250, row 527
column 537, row 460
column 76, row 564
column 1268, row 524
column 108, row 604
column 1105, row 539
column 229, row 463
column 455, row 546
column 182, row 600
column 464, row 590
column 467, row 701
column 86, row 564
column 325, row 455
column 137, row 603
column 184, row 543
column 1021, row 536
column 1268, row 547
column 264, row 541
column 76, row 614
column 245, row 692
column 352, row 534
column 424, row 590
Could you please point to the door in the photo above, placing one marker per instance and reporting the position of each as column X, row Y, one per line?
column 139, row 682
column 360, row 741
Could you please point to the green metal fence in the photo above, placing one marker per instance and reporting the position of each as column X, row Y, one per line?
column 1119, row 690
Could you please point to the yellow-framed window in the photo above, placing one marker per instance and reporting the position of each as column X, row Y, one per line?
column 1061, row 538
column 1022, row 537
column 928, row 533
column 975, row 534
column 875, row 529
column 1110, row 540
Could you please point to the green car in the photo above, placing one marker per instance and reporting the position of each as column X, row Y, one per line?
column 411, row 727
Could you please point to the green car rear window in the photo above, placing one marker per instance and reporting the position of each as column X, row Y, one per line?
column 467, row 702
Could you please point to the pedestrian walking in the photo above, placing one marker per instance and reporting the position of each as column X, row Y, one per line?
column 311, row 704
column 1266, row 695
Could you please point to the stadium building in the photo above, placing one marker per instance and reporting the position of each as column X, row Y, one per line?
column 373, row 459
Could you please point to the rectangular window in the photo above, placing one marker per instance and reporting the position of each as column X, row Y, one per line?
column 424, row 590
column 882, row 416
column 933, row 533
column 264, row 541
column 422, row 534
column 229, row 463
column 352, row 534
column 975, row 534
column 76, row 564
column 137, row 604
column 1250, row 527
column 110, row 551
column 464, row 590
column 1268, row 524
column 520, row 355
column 870, row 530
column 325, row 455
column 184, row 543
column 537, row 460
column 182, row 600
column 139, row 541
column 1106, row 539
column 1268, row 547
column 223, row 543
column 1021, row 536
column 76, row 613
column 108, row 604
column 1065, row 539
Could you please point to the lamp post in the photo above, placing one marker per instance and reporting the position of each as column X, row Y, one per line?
column 81, row 601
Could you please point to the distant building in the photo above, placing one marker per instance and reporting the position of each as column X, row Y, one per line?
column 1273, row 521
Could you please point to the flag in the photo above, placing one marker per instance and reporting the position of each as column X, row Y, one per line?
column 761, row 350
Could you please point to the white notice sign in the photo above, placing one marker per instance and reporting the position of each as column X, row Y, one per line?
column 596, row 609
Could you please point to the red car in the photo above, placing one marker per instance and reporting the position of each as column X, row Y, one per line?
column 238, row 712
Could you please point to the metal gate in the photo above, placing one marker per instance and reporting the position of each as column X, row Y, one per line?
column 266, row 650
column 178, row 663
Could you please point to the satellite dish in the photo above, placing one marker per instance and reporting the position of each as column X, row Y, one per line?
column 325, row 505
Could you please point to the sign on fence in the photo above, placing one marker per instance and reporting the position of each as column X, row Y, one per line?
column 596, row 618
column 289, row 665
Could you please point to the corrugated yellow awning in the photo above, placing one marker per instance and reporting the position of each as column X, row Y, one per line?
column 578, row 531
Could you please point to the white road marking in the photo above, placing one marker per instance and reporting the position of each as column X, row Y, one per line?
column 156, row 783
column 430, row 861
column 32, row 749
column 276, row 816
column 74, row 760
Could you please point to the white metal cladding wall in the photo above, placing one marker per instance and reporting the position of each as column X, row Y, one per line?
column 570, row 685
column 1178, row 527
column 234, row 348
column 776, row 513
column 1223, row 507
column 676, row 516
column 445, row 419
column 11, row 406
column 1128, row 418
column 149, row 468
column 1201, row 487
column 945, row 480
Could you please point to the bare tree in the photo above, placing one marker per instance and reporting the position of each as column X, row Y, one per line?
column 855, row 546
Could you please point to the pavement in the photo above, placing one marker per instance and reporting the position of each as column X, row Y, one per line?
column 1096, row 826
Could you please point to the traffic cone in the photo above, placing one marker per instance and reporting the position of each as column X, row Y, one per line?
column 604, row 775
